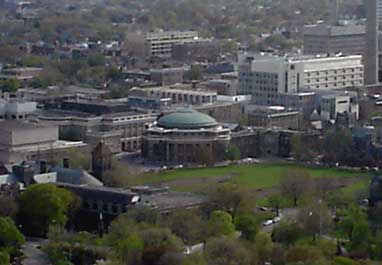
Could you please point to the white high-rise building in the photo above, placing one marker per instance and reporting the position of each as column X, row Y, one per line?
column 374, row 17
column 379, row 10
column 267, row 77
column 159, row 44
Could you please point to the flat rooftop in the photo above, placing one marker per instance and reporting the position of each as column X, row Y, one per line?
column 15, row 125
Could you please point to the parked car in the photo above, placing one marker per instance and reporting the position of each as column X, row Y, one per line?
column 268, row 222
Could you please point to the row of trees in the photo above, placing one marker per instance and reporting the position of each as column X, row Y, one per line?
column 34, row 211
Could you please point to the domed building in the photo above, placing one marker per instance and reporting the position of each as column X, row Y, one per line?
column 185, row 136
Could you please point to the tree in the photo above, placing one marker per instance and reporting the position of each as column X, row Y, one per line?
column 315, row 218
column 220, row 223
column 195, row 73
column 79, row 159
column 302, row 253
column 324, row 185
column 224, row 251
column 96, row 60
column 42, row 205
column 354, row 224
column 187, row 225
column 353, row 221
column 8, row 206
column 5, row 259
column 10, row 237
column 10, row 85
column 247, row 225
column 264, row 246
column 299, row 149
column 143, row 214
column 338, row 145
column 171, row 258
column 286, row 233
column 129, row 250
column 233, row 198
column 158, row 242
column 294, row 183
column 360, row 239
column 275, row 201
column 114, row 73
column 377, row 246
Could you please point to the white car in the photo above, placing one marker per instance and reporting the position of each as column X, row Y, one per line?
column 268, row 222
column 276, row 219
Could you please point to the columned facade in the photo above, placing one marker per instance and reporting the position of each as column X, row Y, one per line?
column 186, row 136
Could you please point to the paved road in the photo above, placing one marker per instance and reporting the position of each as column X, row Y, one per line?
column 33, row 255
column 286, row 214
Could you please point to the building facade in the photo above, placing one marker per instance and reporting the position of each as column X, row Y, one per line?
column 266, row 77
column 176, row 94
column 159, row 44
column 185, row 136
column 373, row 18
column 346, row 39
column 120, row 131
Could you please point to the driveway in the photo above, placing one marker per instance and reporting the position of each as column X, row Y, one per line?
column 33, row 255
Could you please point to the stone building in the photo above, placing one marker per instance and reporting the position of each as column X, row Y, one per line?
column 20, row 141
column 184, row 137
column 119, row 131
column 101, row 161
column 275, row 116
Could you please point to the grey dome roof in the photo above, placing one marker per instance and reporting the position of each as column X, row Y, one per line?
column 187, row 119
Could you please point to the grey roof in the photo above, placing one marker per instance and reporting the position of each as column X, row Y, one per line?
column 75, row 176
column 12, row 125
column 105, row 194
column 187, row 119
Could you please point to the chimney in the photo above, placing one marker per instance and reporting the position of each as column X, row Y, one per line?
column 43, row 168
column 66, row 162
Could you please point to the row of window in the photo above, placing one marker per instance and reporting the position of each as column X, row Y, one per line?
column 347, row 70
column 105, row 207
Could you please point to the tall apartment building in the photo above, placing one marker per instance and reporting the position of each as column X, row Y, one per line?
column 267, row 77
column 322, row 38
column 374, row 16
column 159, row 44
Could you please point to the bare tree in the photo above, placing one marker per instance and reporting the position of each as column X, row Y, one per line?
column 324, row 185
column 294, row 183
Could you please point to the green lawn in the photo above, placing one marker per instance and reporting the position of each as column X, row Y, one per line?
column 360, row 187
column 256, row 176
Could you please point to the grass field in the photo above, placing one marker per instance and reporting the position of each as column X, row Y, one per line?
column 360, row 187
column 256, row 176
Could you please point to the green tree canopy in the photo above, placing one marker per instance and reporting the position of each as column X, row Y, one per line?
column 233, row 198
column 157, row 243
column 220, row 223
column 8, row 206
column 315, row 218
column 42, row 205
column 286, row 233
column 10, row 237
column 4, row 258
column 187, row 225
column 247, row 225
column 225, row 251
column 264, row 246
